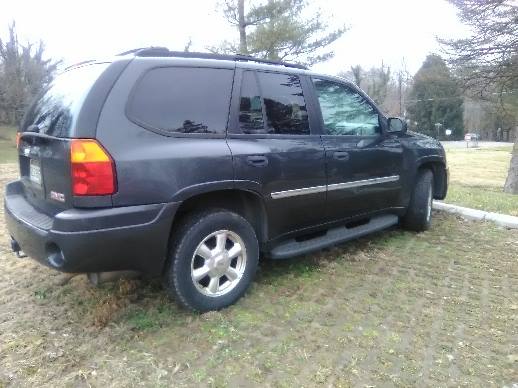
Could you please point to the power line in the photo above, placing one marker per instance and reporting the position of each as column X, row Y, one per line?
column 458, row 97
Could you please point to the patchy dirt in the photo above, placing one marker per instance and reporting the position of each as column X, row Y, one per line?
column 396, row 308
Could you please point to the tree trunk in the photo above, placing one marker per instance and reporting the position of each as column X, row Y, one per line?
column 511, row 183
column 243, row 49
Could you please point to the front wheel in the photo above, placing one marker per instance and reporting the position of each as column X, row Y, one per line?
column 213, row 260
column 419, row 213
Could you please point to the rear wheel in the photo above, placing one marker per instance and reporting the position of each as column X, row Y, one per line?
column 419, row 213
column 212, row 261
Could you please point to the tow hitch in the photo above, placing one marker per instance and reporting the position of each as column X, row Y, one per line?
column 16, row 249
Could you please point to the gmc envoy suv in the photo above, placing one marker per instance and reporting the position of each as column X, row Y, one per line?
column 189, row 166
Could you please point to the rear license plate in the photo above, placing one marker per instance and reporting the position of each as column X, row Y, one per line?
column 35, row 171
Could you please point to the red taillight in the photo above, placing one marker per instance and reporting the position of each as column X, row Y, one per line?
column 18, row 137
column 93, row 171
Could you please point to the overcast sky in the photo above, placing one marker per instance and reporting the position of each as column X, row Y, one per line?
column 393, row 31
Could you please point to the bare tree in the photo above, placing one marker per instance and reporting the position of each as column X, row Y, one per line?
column 23, row 73
column 188, row 45
column 489, row 54
column 487, row 60
column 357, row 74
column 387, row 89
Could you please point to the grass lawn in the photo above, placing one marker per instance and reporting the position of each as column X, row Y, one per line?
column 393, row 309
column 477, row 177
column 7, row 144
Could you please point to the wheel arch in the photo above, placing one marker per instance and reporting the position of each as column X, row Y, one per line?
column 246, row 203
column 440, row 176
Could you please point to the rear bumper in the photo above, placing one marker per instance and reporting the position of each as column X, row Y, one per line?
column 91, row 240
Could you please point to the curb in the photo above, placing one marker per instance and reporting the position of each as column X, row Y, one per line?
column 479, row 215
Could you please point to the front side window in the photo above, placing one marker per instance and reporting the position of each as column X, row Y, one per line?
column 182, row 100
column 345, row 111
column 272, row 103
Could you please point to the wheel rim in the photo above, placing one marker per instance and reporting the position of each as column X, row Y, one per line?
column 429, row 205
column 218, row 263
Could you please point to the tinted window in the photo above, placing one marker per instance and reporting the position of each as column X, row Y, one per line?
column 250, row 106
column 54, row 112
column 183, row 100
column 283, row 102
column 345, row 111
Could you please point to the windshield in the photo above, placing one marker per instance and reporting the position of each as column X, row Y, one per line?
column 55, row 111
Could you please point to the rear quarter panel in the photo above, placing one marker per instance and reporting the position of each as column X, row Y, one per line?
column 153, row 168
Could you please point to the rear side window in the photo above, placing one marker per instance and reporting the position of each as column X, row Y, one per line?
column 182, row 100
column 55, row 111
column 251, row 106
column 272, row 103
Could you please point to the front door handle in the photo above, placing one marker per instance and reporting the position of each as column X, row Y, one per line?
column 257, row 160
column 341, row 155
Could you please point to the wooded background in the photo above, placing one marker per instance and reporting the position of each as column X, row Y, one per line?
column 471, row 86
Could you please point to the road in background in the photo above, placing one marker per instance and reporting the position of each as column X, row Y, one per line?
column 481, row 144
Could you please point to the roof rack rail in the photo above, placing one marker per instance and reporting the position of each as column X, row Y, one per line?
column 164, row 52
column 78, row 64
column 157, row 49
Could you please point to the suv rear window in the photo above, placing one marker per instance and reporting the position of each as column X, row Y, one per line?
column 182, row 100
column 55, row 111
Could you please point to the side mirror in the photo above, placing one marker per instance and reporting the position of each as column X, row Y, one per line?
column 396, row 124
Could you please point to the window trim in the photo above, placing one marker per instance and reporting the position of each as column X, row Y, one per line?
column 348, row 85
column 162, row 132
column 234, row 128
column 260, row 90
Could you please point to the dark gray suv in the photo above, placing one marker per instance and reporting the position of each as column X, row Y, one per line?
column 189, row 165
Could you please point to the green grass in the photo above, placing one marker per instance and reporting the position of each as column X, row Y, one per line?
column 477, row 178
column 7, row 144
column 479, row 166
column 393, row 309
column 483, row 198
column 161, row 314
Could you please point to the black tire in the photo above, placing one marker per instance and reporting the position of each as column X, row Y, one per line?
column 179, row 277
column 419, row 213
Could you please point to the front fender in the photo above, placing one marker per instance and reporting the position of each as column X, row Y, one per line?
column 438, row 166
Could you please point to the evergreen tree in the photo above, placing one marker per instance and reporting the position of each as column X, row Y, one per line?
column 435, row 101
column 277, row 30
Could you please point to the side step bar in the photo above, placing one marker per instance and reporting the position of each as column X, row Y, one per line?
column 333, row 236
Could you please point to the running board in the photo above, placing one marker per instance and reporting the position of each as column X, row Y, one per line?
column 333, row 236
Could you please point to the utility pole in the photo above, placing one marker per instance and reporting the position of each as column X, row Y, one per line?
column 438, row 127
column 400, row 91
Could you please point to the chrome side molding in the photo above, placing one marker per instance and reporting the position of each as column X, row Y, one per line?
column 295, row 192
column 334, row 186
column 363, row 182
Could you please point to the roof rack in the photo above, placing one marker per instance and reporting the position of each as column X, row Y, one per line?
column 164, row 52
column 78, row 64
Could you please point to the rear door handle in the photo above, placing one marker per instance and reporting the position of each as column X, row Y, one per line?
column 257, row 160
column 341, row 155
